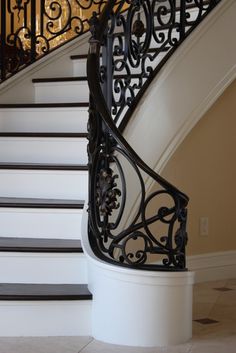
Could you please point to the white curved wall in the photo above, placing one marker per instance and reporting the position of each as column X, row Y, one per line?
column 186, row 87
column 135, row 307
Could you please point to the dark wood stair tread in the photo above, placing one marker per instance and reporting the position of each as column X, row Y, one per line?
column 44, row 105
column 40, row 245
column 60, row 79
column 18, row 291
column 14, row 202
column 79, row 56
column 45, row 134
column 84, row 56
column 82, row 78
column 43, row 166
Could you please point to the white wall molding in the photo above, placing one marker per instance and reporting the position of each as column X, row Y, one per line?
column 195, row 116
column 213, row 266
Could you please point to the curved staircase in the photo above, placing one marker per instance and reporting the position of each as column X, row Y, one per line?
column 47, row 281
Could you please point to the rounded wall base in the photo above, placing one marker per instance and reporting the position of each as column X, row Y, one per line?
column 141, row 308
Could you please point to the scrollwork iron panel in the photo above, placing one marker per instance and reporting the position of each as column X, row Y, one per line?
column 134, row 40
column 134, row 245
column 139, row 41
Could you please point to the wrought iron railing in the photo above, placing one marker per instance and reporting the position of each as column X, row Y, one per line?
column 140, row 41
column 30, row 29
column 127, row 50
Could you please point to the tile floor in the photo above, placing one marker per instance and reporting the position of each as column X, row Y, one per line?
column 214, row 329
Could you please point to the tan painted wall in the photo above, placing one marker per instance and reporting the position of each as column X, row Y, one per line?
column 204, row 167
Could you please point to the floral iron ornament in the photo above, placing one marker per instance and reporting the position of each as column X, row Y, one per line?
column 107, row 192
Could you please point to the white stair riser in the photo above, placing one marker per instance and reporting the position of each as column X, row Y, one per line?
column 148, row 63
column 57, row 92
column 42, row 268
column 44, row 184
column 192, row 13
column 44, row 120
column 43, row 150
column 40, row 223
column 45, row 318
column 79, row 67
column 135, row 80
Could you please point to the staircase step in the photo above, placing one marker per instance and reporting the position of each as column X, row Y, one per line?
column 44, row 183
column 45, row 310
column 21, row 202
column 85, row 56
column 41, row 166
column 80, row 62
column 79, row 56
column 79, row 65
column 55, row 118
column 18, row 291
column 40, row 245
column 69, row 89
column 57, row 148
column 59, row 79
column 44, row 105
column 37, row 222
column 40, row 260
column 45, row 134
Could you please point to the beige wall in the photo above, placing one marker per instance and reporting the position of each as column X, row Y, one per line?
column 204, row 167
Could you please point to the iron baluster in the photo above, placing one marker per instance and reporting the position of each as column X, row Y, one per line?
column 3, row 40
column 182, row 18
column 33, row 30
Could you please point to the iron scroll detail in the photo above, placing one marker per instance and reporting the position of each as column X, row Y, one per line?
column 140, row 40
column 130, row 42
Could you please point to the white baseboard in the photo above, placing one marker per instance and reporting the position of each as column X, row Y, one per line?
column 213, row 266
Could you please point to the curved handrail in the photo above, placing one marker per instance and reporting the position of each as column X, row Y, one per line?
column 106, row 149
column 93, row 65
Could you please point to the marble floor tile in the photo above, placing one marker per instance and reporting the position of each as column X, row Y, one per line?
column 43, row 344
column 214, row 345
column 231, row 282
column 201, row 310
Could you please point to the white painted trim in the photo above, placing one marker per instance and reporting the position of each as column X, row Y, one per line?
column 213, row 266
column 194, row 117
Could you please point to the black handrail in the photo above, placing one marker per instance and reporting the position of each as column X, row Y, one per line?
column 31, row 29
column 109, row 236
